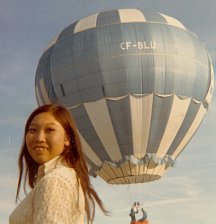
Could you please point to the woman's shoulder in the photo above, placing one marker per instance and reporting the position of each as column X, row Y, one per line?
column 61, row 181
column 60, row 175
column 63, row 172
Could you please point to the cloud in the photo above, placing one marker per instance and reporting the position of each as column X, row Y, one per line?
column 189, row 186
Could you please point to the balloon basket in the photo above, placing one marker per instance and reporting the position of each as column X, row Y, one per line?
column 140, row 222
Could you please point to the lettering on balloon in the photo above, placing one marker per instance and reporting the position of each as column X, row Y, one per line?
column 139, row 45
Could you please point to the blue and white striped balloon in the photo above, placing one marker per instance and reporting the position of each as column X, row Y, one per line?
column 138, row 85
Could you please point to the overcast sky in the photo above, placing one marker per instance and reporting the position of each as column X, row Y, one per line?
column 187, row 192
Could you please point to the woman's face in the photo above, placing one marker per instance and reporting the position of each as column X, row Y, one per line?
column 45, row 138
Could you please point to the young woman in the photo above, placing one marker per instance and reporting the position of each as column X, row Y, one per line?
column 51, row 160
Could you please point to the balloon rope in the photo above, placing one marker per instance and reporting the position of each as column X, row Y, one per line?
column 130, row 195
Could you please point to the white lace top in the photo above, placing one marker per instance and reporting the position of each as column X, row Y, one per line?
column 57, row 198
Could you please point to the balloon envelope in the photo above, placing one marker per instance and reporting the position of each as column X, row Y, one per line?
column 138, row 85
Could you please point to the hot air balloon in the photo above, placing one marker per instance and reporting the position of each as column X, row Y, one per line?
column 138, row 85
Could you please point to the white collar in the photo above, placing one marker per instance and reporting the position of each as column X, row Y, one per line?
column 48, row 167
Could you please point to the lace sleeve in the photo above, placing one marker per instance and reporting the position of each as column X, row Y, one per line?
column 55, row 200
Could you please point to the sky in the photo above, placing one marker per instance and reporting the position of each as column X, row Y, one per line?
column 187, row 192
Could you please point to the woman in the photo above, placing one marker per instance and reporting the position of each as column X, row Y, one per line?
column 52, row 162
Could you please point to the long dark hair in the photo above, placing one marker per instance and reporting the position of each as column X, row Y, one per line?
column 72, row 155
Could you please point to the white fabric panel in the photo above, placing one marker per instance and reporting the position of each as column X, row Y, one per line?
column 158, row 170
column 38, row 97
column 103, row 126
column 146, row 178
column 129, row 173
column 139, row 179
column 149, row 167
column 126, row 168
column 134, row 169
column 143, row 168
column 131, row 15
column 117, row 181
column 132, row 179
column 211, row 86
column 128, row 180
column 89, row 152
column 44, row 91
column 109, row 170
column 141, row 111
column 86, row 23
column 173, row 22
column 191, row 131
column 104, row 175
column 177, row 115
column 118, row 171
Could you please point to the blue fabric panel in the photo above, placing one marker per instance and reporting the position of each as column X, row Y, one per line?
column 152, row 16
column 84, row 46
column 44, row 72
column 160, row 115
column 110, row 17
column 121, row 119
column 67, row 32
